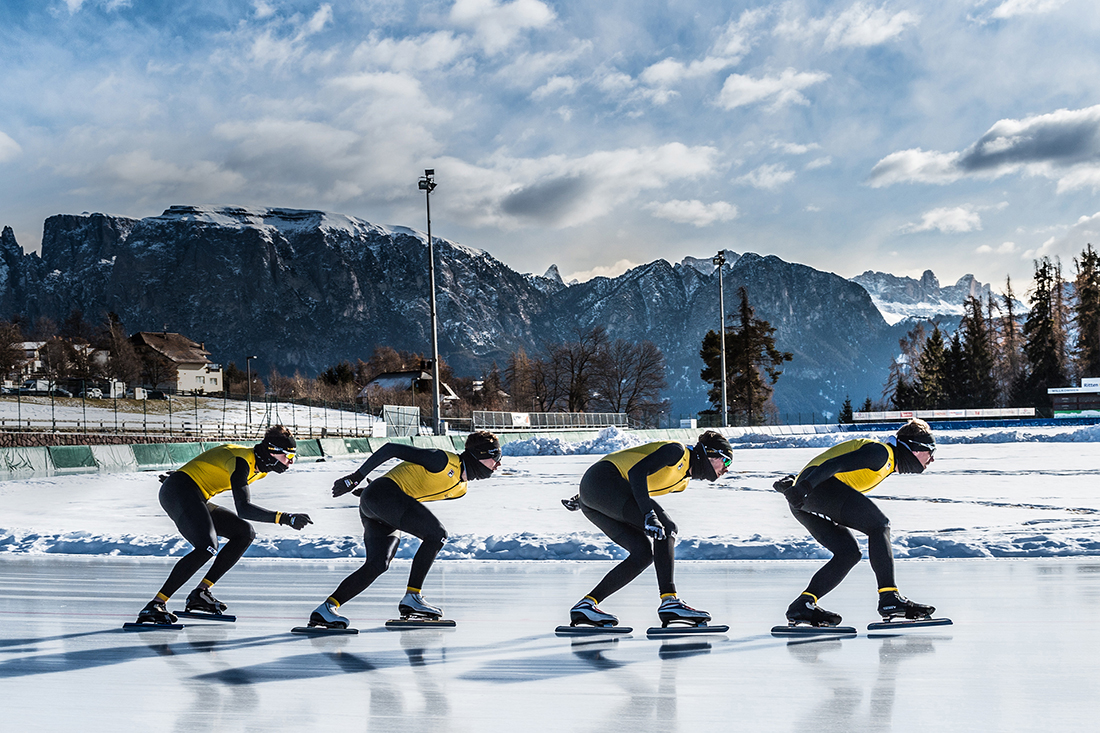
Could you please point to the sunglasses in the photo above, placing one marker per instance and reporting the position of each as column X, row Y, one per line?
column 727, row 459
column 495, row 454
column 284, row 458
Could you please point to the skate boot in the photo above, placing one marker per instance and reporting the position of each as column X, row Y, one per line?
column 203, row 601
column 892, row 604
column 586, row 613
column 413, row 606
column 673, row 610
column 804, row 610
column 325, row 615
column 155, row 613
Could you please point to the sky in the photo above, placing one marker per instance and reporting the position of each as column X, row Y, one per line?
column 960, row 137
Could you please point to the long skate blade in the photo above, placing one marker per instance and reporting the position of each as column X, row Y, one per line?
column 898, row 624
column 206, row 616
column 133, row 626
column 420, row 623
column 321, row 630
column 685, row 630
column 592, row 630
column 813, row 631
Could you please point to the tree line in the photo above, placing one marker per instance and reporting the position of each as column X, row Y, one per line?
column 998, row 357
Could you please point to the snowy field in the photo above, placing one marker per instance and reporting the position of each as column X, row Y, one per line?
column 990, row 493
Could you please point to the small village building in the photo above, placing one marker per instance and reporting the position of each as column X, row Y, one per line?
column 194, row 372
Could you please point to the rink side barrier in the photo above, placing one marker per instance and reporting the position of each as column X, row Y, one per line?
column 72, row 459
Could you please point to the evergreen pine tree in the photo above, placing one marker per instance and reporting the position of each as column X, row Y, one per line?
column 977, row 385
column 1087, row 313
column 1044, row 340
column 845, row 417
column 751, row 355
column 1010, row 361
column 931, row 372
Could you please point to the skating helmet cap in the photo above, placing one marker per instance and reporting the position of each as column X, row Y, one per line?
column 715, row 445
column 916, row 435
column 483, row 444
column 278, row 440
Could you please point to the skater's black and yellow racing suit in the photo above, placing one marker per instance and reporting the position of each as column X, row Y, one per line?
column 653, row 469
column 861, row 464
column 220, row 469
column 425, row 474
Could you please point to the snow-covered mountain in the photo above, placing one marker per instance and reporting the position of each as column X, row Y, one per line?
column 303, row 290
column 898, row 298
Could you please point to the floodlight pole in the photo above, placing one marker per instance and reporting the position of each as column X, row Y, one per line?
column 720, row 260
column 248, row 386
column 427, row 185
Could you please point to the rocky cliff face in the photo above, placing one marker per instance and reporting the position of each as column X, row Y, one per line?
column 304, row 289
column 903, row 297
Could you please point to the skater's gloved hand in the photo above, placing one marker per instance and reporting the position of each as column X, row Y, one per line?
column 358, row 490
column 573, row 503
column 785, row 483
column 653, row 526
column 297, row 521
column 345, row 484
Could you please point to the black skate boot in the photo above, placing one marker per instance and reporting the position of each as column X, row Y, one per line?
column 201, row 600
column 673, row 610
column 155, row 613
column 413, row 606
column 587, row 613
column 892, row 604
column 325, row 616
column 805, row 611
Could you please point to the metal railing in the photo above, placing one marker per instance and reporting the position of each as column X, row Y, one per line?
column 484, row 420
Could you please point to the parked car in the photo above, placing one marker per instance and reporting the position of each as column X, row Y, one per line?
column 92, row 393
column 60, row 392
column 155, row 394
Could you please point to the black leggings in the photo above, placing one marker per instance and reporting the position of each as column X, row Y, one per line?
column 827, row 512
column 386, row 511
column 607, row 501
column 201, row 523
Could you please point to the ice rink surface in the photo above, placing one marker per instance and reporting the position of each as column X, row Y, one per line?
column 1021, row 656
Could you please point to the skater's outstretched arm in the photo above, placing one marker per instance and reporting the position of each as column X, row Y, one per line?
column 871, row 456
column 432, row 459
column 665, row 456
column 242, row 499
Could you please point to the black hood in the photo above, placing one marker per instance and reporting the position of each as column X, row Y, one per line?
column 475, row 469
column 700, row 465
column 904, row 460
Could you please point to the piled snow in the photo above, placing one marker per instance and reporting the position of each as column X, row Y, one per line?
column 608, row 441
column 1012, row 492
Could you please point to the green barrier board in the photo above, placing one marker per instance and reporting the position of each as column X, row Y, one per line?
column 357, row 445
column 72, row 458
column 309, row 449
column 151, row 456
column 181, row 453
column 332, row 446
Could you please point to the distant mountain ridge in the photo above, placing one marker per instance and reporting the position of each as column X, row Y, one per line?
column 303, row 290
column 903, row 297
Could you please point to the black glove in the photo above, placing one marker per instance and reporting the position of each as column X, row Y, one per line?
column 785, row 483
column 164, row 476
column 573, row 503
column 297, row 521
column 653, row 526
column 343, row 485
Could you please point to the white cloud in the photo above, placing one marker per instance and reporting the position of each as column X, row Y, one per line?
column 555, row 85
column 496, row 25
column 740, row 90
column 768, row 177
column 608, row 271
column 693, row 212
column 414, row 53
column 263, row 9
column 1012, row 8
column 861, row 25
column 794, row 148
column 1086, row 230
column 9, row 149
column 558, row 191
column 949, row 220
column 1004, row 248
column 669, row 72
column 1062, row 145
column 822, row 162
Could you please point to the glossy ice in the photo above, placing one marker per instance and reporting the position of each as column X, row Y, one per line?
column 1022, row 655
